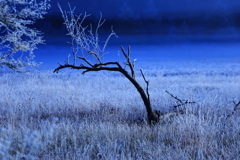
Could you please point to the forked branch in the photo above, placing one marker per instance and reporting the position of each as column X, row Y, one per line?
column 128, row 62
column 147, row 82
column 181, row 102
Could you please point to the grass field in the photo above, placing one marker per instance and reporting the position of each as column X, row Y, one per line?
column 101, row 116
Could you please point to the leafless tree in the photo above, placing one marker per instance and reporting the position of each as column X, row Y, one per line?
column 17, row 39
column 85, row 41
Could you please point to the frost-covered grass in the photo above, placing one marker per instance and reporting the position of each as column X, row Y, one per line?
column 101, row 116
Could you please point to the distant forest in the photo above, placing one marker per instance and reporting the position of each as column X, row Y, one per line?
column 150, row 20
column 53, row 24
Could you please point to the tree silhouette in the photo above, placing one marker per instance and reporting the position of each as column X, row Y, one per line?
column 86, row 41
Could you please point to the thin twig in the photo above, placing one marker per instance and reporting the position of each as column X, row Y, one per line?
column 107, row 40
column 175, row 97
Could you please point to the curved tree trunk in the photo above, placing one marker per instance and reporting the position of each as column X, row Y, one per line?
column 153, row 118
column 88, row 42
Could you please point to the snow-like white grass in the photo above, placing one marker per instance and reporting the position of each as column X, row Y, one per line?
column 44, row 115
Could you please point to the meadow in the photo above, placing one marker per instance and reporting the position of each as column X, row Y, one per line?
column 100, row 115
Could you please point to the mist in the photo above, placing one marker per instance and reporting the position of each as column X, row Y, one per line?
column 174, row 29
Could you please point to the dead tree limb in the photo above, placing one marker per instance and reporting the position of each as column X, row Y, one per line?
column 182, row 102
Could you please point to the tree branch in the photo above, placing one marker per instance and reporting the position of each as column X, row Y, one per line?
column 85, row 60
column 179, row 100
column 107, row 40
column 147, row 82
column 96, row 67
column 128, row 61
column 17, row 36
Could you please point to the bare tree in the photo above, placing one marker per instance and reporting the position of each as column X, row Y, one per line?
column 85, row 41
column 17, row 40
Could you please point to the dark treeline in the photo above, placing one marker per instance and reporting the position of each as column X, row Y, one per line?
column 151, row 17
column 216, row 24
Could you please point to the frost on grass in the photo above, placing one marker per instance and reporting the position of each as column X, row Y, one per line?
column 17, row 39
column 54, row 119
